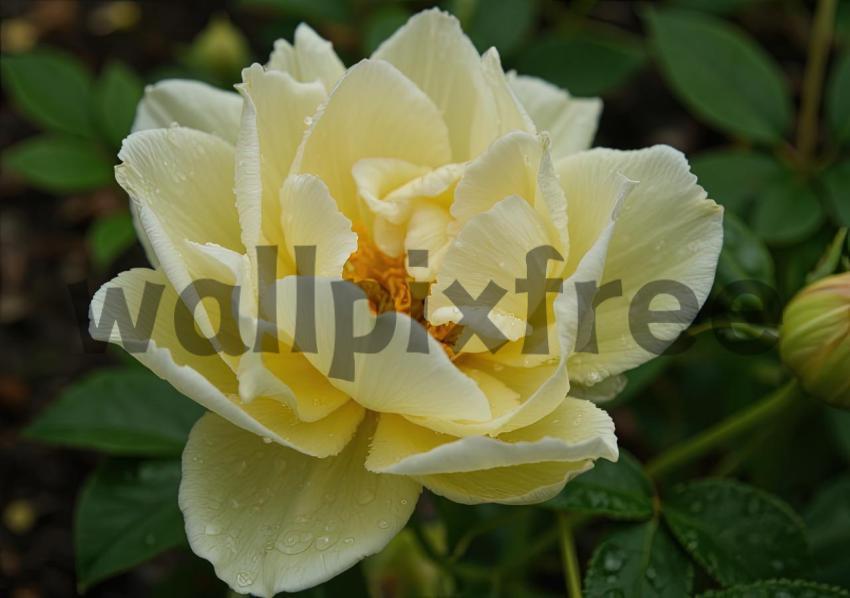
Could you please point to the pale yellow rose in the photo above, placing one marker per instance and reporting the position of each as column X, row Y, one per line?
column 297, row 475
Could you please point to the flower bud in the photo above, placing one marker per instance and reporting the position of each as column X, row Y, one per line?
column 220, row 49
column 815, row 339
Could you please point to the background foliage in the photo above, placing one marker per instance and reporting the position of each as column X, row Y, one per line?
column 756, row 92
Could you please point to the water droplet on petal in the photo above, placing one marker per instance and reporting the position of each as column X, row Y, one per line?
column 243, row 578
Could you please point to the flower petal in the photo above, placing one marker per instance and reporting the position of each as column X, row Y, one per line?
column 190, row 104
column 181, row 184
column 571, row 122
column 433, row 52
column 268, row 140
column 516, row 164
column 374, row 111
column 394, row 379
column 312, row 58
column 311, row 218
column 492, row 248
column 576, row 430
column 270, row 519
column 205, row 378
column 666, row 231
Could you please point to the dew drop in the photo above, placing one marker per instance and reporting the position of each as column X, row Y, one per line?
column 613, row 561
column 383, row 524
column 212, row 530
column 325, row 542
column 365, row 497
column 267, row 440
column 243, row 578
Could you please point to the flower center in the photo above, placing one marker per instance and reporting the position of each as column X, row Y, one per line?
column 388, row 287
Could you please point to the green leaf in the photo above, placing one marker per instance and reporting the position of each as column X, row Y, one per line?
column 787, row 212
column 734, row 177
column 721, row 74
column 126, row 514
column 52, row 88
column 836, row 181
column 585, row 64
column 779, row 588
column 59, row 164
column 618, row 490
column 121, row 411
column 109, row 237
column 381, row 24
column 118, row 93
column 744, row 256
column 828, row 522
column 737, row 533
column 640, row 560
column 838, row 99
column 504, row 24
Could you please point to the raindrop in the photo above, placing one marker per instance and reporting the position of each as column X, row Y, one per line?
column 613, row 561
column 243, row 578
column 366, row 496
column 294, row 542
column 383, row 524
column 212, row 530
column 267, row 440
column 325, row 542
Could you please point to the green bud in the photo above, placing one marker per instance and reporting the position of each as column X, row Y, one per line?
column 220, row 49
column 815, row 339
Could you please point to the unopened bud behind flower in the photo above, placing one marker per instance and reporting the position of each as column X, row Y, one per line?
column 815, row 339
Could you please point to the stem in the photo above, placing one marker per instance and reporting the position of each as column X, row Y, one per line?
column 726, row 430
column 572, row 571
column 807, row 131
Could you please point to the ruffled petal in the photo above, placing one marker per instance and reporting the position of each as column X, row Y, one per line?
column 311, row 58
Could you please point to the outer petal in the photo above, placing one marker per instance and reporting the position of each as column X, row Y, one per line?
column 207, row 379
column 191, row 104
column 180, row 181
column 374, row 111
column 311, row 59
column 666, row 230
column 273, row 124
column 575, row 431
column 570, row 122
column 271, row 519
column 394, row 379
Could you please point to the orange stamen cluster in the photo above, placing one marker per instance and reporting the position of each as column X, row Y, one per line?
column 387, row 285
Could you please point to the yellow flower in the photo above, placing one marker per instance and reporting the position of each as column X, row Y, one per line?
column 314, row 459
column 815, row 338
